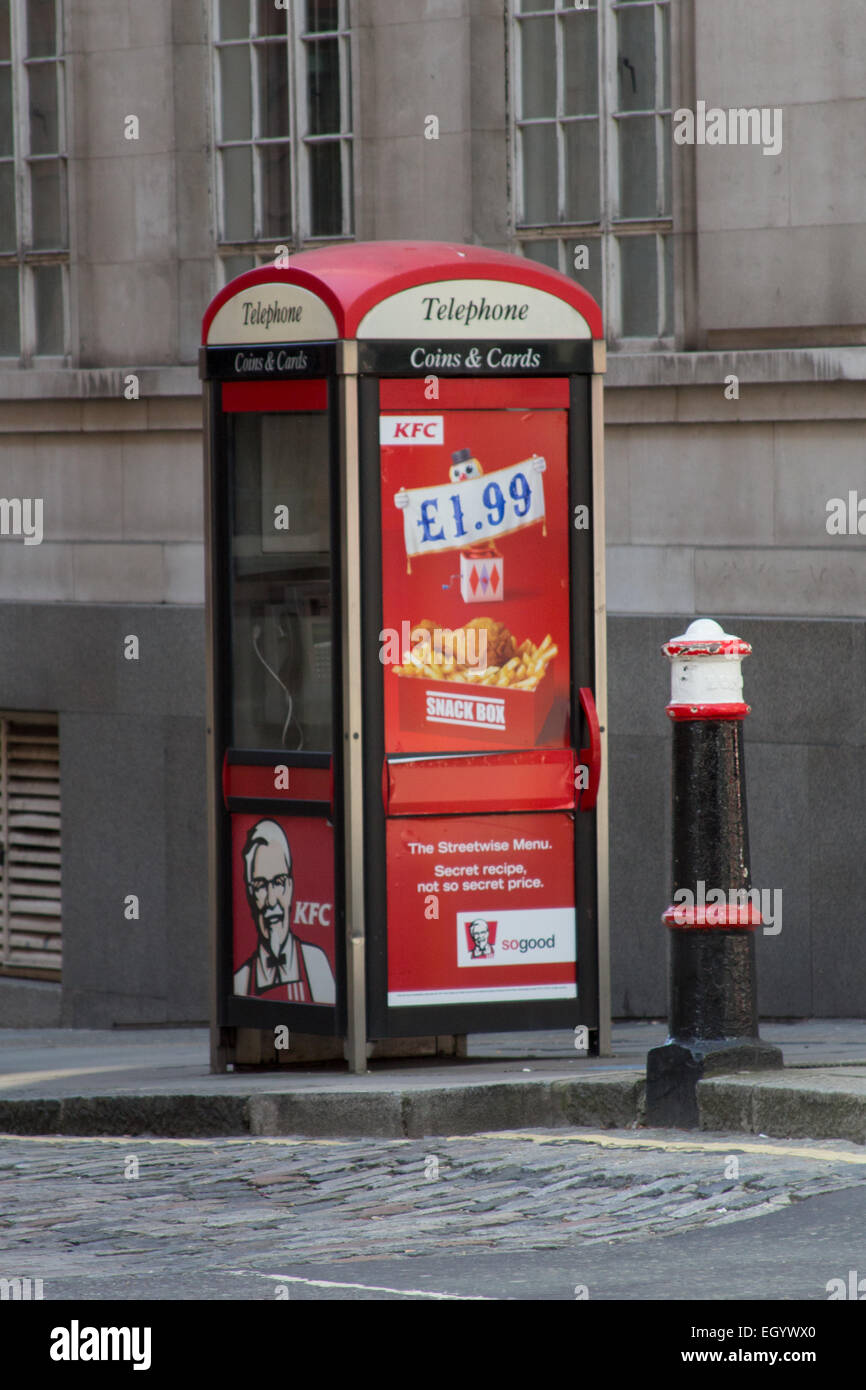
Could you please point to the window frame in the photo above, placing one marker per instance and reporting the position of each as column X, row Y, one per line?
column 610, row 229
column 261, row 249
column 25, row 257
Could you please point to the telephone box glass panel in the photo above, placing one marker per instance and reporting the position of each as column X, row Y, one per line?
column 281, row 582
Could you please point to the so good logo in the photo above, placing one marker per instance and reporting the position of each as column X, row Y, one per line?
column 530, row 944
column 516, row 937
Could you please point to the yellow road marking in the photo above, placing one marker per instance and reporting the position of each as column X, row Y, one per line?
column 9, row 1081
column 605, row 1141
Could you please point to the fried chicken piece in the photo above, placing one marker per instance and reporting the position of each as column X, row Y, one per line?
column 501, row 645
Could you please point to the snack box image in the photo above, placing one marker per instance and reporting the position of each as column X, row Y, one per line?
column 476, row 683
column 433, row 712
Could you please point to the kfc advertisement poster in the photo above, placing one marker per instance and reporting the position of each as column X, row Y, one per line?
column 283, row 901
column 475, row 639
column 481, row 909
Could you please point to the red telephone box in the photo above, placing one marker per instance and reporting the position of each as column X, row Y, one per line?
column 407, row 647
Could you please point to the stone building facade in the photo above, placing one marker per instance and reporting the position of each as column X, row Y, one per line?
column 153, row 151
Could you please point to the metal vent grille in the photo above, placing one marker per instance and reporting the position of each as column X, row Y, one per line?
column 30, row 892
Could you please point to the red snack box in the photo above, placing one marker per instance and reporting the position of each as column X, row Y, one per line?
column 432, row 713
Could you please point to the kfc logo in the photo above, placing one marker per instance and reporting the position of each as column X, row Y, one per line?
column 412, row 429
column 313, row 914
column 480, row 938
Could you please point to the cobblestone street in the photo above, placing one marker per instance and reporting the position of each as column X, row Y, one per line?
column 90, row 1215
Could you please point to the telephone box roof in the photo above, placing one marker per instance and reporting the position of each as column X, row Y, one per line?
column 353, row 277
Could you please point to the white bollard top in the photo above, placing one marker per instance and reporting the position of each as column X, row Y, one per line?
column 706, row 673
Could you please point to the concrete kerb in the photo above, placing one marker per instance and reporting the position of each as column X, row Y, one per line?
column 596, row 1102
column 328, row 1114
column 776, row 1105
column 820, row 1106
column 601, row 1103
column 165, row 1116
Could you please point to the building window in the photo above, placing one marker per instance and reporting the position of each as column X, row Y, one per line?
column 592, row 153
column 283, row 109
column 34, row 246
column 30, row 902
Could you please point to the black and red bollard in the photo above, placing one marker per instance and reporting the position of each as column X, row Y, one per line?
column 711, row 922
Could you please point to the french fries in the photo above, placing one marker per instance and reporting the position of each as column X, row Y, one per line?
column 522, row 671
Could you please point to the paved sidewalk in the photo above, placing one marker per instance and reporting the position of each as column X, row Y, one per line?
column 153, row 1081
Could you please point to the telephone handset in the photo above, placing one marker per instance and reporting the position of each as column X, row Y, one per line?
column 282, row 638
column 293, row 647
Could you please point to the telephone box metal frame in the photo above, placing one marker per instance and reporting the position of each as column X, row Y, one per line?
column 348, row 282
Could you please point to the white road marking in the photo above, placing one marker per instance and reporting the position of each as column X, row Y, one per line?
column 368, row 1288
column 127, row 1139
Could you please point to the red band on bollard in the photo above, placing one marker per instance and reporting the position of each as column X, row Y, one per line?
column 726, row 646
column 721, row 711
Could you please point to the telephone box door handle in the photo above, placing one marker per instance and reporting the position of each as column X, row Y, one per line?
column 590, row 757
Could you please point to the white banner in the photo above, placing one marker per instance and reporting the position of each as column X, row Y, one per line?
column 457, row 515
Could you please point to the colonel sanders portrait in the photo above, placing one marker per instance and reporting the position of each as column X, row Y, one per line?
column 480, row 933
column 282, row 967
